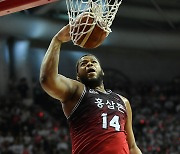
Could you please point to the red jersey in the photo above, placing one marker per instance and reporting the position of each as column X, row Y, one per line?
column 97, row 124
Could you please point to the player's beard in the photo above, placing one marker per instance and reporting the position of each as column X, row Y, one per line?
column 94, row 82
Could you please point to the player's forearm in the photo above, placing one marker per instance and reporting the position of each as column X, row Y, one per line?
column 49, row 66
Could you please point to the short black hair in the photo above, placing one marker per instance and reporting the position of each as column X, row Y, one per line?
column 77, row 63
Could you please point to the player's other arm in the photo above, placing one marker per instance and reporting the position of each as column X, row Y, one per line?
column 56, row 85
column 128, row 127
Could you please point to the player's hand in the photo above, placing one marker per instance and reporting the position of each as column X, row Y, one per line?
column 64, row 34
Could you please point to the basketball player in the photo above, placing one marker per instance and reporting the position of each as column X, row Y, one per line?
column 100, row 121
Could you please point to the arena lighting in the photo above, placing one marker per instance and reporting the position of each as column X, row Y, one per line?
column 21, row 54
column 21, row 51
column 11, row 6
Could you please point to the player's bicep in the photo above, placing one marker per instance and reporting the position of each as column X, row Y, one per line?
column 61, row 87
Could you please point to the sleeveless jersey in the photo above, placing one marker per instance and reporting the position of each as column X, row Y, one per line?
column 97, row 124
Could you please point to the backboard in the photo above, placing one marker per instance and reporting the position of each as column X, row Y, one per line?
column 11, row 6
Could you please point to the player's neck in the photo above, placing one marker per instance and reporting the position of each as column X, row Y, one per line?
column 100, row 88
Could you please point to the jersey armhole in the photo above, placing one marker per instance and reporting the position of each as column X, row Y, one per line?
column 78, row 103
column 121, row 97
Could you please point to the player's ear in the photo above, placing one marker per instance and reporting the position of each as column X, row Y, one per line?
column 77, row 77
column 102, row 72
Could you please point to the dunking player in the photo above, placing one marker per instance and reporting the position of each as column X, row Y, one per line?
column 100, row 121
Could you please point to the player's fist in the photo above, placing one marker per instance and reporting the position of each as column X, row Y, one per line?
column 64, row 34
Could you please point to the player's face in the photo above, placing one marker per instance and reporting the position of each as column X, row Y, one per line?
column 90, row 72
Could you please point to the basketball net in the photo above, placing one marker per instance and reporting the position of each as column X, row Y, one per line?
column 103, row 12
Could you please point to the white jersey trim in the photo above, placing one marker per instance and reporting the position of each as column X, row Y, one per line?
column 78, row 103
column 121, row 97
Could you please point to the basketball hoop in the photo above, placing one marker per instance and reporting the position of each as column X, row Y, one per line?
column 103, row 12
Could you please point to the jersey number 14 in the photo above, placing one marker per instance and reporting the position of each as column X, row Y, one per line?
column 114, row 122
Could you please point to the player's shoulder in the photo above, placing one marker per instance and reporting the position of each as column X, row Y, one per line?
column 80, row 87
column 127, row 104
column 76, row 89
column 124, row 99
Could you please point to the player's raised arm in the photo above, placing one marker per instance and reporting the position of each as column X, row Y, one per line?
column 56, row 85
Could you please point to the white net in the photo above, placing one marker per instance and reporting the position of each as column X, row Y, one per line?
column 101, row 11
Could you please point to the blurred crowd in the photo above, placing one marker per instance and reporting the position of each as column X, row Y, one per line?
column 156, row 114
column 31, row 122
column 27, row 126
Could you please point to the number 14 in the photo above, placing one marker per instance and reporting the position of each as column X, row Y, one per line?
column 114, row 122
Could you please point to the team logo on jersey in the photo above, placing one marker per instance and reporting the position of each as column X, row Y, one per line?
column 92, row 91
column 110, row 104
